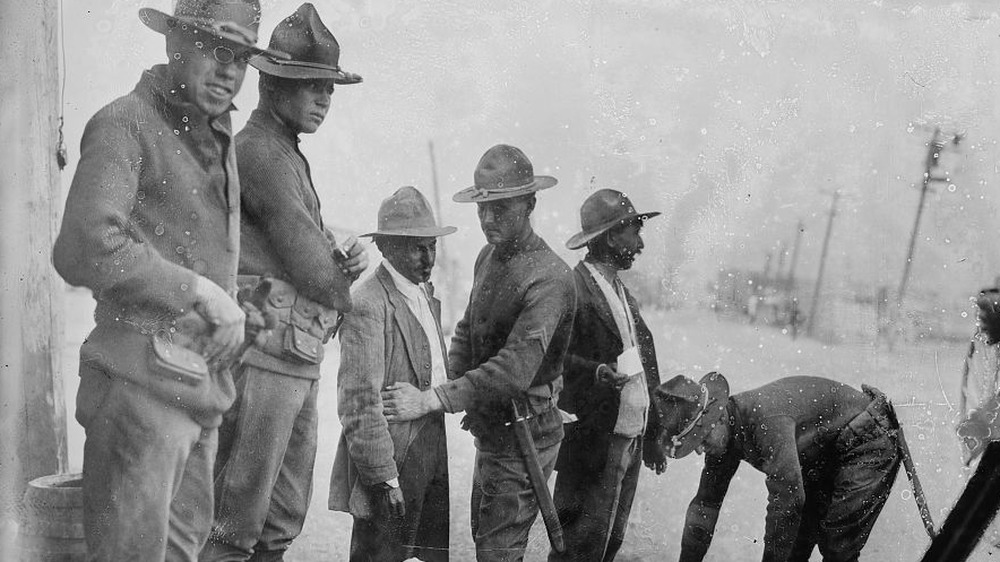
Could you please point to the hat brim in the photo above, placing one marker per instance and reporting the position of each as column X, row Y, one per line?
column 298, row 70
column 164, row 23
column 718, row 396
column 420, row 232
column 581, row 238
column 476, row 195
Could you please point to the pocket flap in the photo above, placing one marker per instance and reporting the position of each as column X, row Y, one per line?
column 179, row 362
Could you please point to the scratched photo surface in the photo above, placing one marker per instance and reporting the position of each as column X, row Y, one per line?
column 785, row 142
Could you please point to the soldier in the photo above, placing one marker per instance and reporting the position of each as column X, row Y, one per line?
column 507, row 352
column 267, row 442
column 152, row 228
column 610, row 375
column 829, row 454
column 393, row 478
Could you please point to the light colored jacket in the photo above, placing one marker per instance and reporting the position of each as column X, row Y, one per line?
column 382, row 342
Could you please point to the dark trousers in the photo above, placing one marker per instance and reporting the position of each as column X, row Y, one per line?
column 841, row 508
column 594, row 506
column 503, row 501
column 147, row 474
column 423, row 531
column 264, row 469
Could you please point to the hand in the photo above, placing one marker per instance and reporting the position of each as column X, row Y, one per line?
column 220, row 310
column 393, row 498
column 653, row 456
column 356, row 260
column 607, row 375
column 402, row 402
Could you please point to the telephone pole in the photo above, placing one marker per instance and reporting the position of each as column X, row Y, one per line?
column 443, row 265
column 794, row 320
column 934, row 149
column 811, row 320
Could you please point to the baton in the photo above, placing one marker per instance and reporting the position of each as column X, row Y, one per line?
column 537, row 479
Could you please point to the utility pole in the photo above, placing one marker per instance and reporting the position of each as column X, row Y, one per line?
column 794, row 320
column 443, row 264
column 811, row 320
column 934, row 149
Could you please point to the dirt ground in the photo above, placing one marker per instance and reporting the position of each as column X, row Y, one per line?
column 922, row 379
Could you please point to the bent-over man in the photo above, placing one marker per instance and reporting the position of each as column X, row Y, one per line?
column 152, row 228
column 393, row 477
column 610, row 374
column 267, row 442
column 829, row 454
column 508, row 347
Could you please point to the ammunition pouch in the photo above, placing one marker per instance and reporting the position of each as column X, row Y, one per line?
column 302, row 325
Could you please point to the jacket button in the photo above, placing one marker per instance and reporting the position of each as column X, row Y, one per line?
column 426, row 383
column 427, row 365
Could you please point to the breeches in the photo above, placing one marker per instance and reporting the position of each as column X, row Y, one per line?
column 264, row 469
column 147, row 474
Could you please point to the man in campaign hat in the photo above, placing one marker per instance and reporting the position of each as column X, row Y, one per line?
column 393, row 478
column 267, row 442
column 829, row 453
column 610, row 374
column 152, row 228
column 507, row 351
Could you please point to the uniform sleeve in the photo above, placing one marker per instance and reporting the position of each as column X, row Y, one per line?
column 548, row 302
column 703, row 512
column 270, row 199
column 785, row 490
column 98, row 247
column 359, row 385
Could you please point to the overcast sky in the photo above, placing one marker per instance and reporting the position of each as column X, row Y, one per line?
column 736, row 119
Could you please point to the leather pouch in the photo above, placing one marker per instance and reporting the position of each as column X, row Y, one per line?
column 302, row 346
column 175, row 362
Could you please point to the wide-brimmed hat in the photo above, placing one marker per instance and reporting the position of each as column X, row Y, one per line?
column 503, row 172
column 407, row 213
column 689, row 410
column 233, row 21
column 314, row 51
column 602, row 211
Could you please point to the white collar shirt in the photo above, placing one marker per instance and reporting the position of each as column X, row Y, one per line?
column 418, row 302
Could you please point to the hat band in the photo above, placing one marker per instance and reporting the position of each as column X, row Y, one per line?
column 305, row 64
column 225, row 27
column 676, row 439
column 480, row 192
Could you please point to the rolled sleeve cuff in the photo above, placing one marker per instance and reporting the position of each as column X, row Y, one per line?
column 372, row 475
column 456, row 395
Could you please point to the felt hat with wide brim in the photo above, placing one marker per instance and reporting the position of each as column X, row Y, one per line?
column 689, row 411
column 602, row 211
column 503, row 172
column 407, row 213
column 313, row 50
column 234, row 22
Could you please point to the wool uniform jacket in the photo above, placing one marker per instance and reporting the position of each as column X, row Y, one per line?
column 596, row 340
column 513, row 337
column 785, row 429
column 154, row 201
column 382, row 343
column 282, row 230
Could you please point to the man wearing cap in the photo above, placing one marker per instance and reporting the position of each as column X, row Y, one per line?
column 267, row 442
column 393, row 477
column 508, row 350
column 610, row 373
column 152, row 228
column 829, row 454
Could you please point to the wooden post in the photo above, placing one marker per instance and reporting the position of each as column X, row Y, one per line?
column 814, row 306
column 32, row 408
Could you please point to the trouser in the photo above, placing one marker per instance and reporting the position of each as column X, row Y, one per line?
column 423, row 531
column 504, row 505
column 594, row 507
column 264, row 469
column 842, row 506
column 147, row 474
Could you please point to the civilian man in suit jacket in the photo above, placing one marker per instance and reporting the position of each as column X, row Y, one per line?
column 610, row 373
column 393, row 477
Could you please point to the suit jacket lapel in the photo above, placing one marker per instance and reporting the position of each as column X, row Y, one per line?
column 601, row 305
column 408, row 324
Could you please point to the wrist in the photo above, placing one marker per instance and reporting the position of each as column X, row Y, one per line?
column 430, row 402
